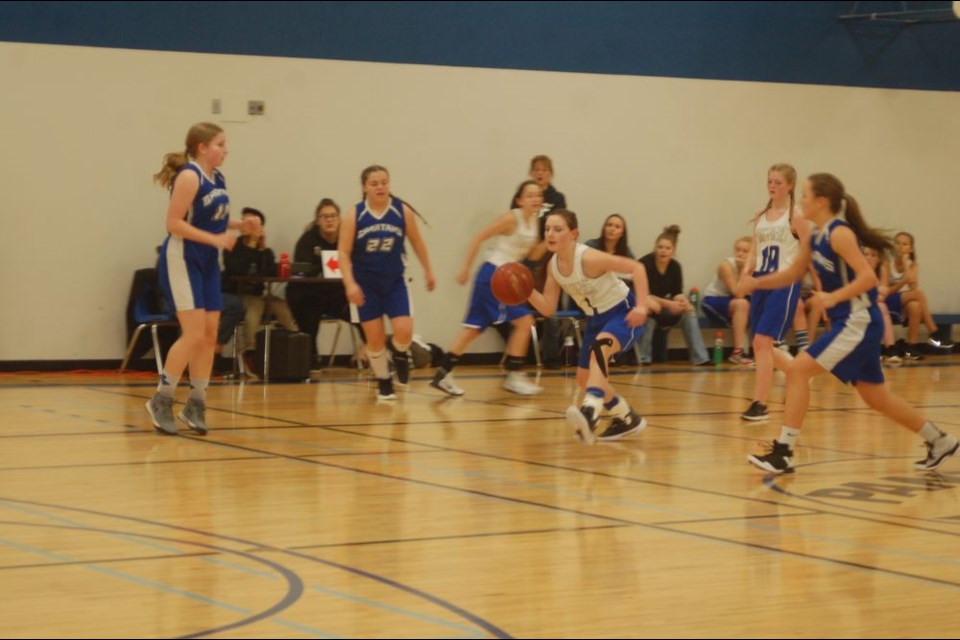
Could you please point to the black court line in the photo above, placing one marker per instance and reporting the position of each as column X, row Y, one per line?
column 294, row 592
column 630, row 479
column 758, row 546
column 776, row 516
column 298, row 425
column 463, row 536
column 654, row 526
column 140, row 463
column 675, row 368
column 294, row 583
column 301, row 425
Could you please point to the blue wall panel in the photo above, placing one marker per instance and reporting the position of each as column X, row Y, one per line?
column 796, row 42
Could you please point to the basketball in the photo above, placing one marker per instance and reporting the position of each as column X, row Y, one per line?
column 512, row 283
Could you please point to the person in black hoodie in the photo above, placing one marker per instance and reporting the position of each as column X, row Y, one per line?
column 311, row 302
column 252, row 257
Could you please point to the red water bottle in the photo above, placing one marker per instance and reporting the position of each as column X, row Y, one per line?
column 284, row 271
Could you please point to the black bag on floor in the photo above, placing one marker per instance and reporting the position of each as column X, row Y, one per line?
column 289, row 355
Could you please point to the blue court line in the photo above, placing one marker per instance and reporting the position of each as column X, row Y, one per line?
column 280, row 621
column 472, row 632
column 294, row 584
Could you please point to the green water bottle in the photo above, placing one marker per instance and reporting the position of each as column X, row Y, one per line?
column 718, row 349
column 695, row 300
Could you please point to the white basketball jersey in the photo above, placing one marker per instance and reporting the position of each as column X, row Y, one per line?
column 896, row 276
column 593, row 295
column 776, row 247
column 717, row 286
column 518, row 244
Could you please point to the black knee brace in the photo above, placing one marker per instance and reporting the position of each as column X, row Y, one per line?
column 597, row 348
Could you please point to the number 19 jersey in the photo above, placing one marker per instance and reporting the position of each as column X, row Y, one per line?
column 776, row 247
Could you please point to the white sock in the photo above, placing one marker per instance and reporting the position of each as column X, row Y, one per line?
column 788, row 436
column 168, row 384
column 596, row 402
column 619, row 408
column 929, row 432
column 378, row 364
column 198, row 390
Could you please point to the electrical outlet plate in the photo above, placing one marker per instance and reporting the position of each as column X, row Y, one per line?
column 256, row 107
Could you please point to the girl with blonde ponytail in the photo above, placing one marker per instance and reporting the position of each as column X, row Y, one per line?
column 198, row 217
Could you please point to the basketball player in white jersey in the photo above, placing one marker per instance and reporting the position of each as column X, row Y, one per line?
column 198, row 217
column 777, row 236
column 517, row 233
column 615, row 320
column 720, row 303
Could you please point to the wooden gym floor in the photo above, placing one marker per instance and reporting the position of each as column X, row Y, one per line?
column 312, row 511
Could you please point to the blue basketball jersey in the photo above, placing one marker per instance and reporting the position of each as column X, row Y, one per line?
column 835, row 273
column 210, row 210
column 190, row 271
column 378, row 244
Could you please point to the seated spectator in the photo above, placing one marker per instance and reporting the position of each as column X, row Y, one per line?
column 888, row 353
column 666, row 287
column 720, row 303
column 251, row 257
column 311, row 302
column 905, row 299
column 230, row 317
column 613, row 238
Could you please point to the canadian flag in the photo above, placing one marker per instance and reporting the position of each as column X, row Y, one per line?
column 331, row 264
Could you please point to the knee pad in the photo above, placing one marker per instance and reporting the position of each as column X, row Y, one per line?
column 597, row 348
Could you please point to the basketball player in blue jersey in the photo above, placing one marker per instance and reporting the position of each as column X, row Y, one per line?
column 198, row 217
column 517, row 234
column 615, row 320
column 851, row 348
column 371, row 259
column 777, row 233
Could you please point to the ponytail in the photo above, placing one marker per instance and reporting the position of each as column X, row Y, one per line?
column 172, row 163
column 200, row 133
column 868, row 236
column 844, row 205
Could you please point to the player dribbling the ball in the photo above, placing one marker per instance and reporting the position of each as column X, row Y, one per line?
column 615, row 320
column 516, row 234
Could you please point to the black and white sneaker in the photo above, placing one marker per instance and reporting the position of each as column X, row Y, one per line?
column 912, row 353
column 385, row 392
column 940, row 343
column 620, row 427
column 584, row 422
column 779, row 459
column 756, row 412
column 937, row 451
column 401, row 367
column 443, row 380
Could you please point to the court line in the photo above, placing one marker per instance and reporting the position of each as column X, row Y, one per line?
column 294, row 584
column 448, row 606
column 661, row 527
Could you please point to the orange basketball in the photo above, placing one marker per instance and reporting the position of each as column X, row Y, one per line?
column 512, row 283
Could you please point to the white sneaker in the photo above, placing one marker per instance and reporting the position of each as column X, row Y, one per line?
column 516, row 382
column 443, row 380
column 937, row 451
column 584, row 422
